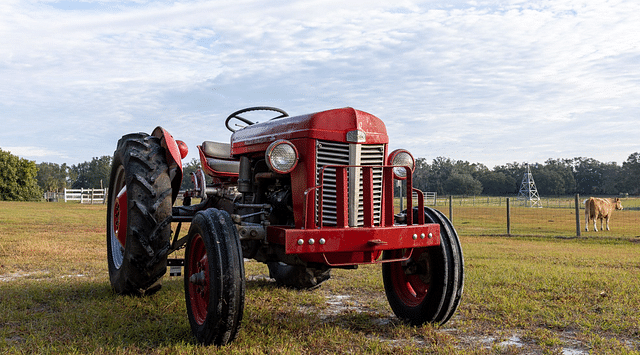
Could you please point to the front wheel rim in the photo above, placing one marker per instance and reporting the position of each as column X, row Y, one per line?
column 410, row 287
column 198, row 272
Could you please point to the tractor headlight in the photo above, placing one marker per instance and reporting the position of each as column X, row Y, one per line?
column 281, row 156
column 401, row 157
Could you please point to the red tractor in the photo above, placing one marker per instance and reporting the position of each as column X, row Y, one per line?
column 302, row 194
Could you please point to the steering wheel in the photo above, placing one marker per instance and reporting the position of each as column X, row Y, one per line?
column 248, row 109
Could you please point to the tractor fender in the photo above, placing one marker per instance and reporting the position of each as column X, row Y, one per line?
column 176, row 151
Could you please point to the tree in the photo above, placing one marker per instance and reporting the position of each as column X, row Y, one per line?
column 513, row 170
column 462, row 184
column 93, row 174
column 52, row 177
column 18, row 178
column 594, row 177
column 473, row 169
column 439, row 176
column 564, row 172
column 421, row 175
column 587, row 175
column 549, row 182
column 187, row 169
column 497, row 183
column 441, row 169
column 611, row 175
column 630, row 172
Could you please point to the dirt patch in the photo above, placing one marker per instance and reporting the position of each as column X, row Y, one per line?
column 34, row 276
column 20, row 275
column 513, row 340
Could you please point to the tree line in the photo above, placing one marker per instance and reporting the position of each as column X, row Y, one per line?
column 91, row 174
column 24, row 180
column 554, row 177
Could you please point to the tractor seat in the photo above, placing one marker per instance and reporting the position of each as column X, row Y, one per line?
column 218, row 156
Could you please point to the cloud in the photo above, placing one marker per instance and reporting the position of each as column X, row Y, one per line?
column 33, row 153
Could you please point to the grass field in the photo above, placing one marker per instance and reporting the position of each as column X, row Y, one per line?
column 537, row 294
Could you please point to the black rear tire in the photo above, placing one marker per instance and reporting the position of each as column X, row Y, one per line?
column 427, row 288
column 140, row 166
column 297, row 276
column 214, row 283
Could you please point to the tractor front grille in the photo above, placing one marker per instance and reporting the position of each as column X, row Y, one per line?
column 337, row 153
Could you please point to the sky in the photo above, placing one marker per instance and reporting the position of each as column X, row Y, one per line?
column 491, row 82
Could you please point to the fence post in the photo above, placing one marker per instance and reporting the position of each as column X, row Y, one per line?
column 451, row 208
column 401, row 195
column 508, row 216
column 578, row 215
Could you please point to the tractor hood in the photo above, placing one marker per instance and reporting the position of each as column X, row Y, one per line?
column 339, row 125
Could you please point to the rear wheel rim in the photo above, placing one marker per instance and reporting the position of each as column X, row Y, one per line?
column 117, row 249
column 411, row 288
column 198, row 279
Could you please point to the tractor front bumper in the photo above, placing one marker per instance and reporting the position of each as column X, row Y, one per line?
column 353, row 245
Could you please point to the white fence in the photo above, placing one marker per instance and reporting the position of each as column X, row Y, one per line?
column 86, row 195
column 430, row 198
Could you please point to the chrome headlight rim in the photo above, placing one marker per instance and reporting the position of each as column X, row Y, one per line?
column 401, row 158
column 281, row 156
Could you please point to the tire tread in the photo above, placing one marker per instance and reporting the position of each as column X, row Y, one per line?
column 149, row 207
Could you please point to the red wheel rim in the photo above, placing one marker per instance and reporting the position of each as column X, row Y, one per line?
column 411, row 289
column 120, row 216
column 198, row 272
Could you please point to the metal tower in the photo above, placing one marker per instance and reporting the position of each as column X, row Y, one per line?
column 528, row 191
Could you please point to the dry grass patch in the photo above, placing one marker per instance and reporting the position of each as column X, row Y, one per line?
column 61, row 239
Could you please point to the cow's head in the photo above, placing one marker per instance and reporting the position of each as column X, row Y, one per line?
column 618, row 204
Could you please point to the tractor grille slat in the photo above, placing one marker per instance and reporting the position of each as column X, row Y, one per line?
column 371, row 155
column 336, row 153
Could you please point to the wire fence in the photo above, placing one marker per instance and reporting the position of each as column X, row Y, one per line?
column 556, row 216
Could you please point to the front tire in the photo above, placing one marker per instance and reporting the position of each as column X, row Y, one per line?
column 426, row 288
column 214, row 283
column 138, row 215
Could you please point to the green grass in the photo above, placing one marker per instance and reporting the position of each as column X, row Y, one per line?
column 532, row 295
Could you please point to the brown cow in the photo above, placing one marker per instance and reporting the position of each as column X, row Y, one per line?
column 600, row 208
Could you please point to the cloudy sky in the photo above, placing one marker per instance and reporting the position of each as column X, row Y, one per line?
column 489, row 82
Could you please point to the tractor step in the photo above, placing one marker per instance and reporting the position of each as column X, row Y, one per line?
column 175, row 266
